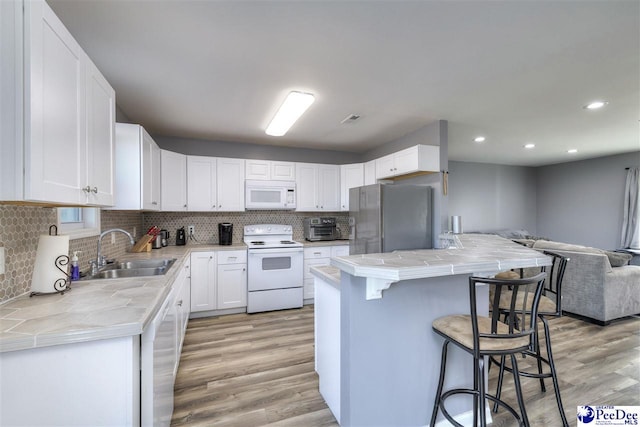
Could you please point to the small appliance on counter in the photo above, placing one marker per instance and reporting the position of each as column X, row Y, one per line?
column 164, row 237
column 320, row 228
column 225, row 233
column 181, row 238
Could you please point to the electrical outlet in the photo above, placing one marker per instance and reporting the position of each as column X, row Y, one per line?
column 2, row 260
column 192, row 229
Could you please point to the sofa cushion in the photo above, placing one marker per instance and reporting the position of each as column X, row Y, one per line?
column 559, row 246
column 618, row 259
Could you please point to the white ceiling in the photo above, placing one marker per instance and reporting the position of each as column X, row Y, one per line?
column 514, row 71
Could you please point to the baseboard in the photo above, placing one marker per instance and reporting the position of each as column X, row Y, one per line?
column 596, row 321
column 465, row 418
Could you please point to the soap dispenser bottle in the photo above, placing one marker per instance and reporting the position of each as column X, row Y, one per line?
column 75, row 269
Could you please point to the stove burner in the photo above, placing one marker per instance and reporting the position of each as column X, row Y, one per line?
column 258, row 243
column 287, row 242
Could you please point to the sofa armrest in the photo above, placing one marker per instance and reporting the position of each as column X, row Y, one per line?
column 622, row 292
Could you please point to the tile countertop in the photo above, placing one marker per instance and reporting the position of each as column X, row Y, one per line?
column 481, row 254
column 339, row 242
column 93, row 309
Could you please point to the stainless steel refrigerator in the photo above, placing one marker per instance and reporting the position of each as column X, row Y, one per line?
column 389, row 217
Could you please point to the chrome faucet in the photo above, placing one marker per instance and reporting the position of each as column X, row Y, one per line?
column 100, row 261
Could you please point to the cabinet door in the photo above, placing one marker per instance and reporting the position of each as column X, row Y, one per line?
column 258, row 169
column 329, row 187
column 232, row 286
column 342, row 250
column 203, row 281
column 370, row 172
column 283, row 171
column 309, row 288
column 150, row 173
column 385, row 166
column 406, row 160
column 350, row 176
column 230, row 185
column 101, row 120
column 173, row 181
column 201, row 183
column 55, row 112
column 306, row 187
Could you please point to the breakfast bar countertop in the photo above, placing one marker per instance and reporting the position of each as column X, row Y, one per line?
column 93, row 309
column 480, row 254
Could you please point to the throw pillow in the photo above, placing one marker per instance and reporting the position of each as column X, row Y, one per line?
column 618, row 259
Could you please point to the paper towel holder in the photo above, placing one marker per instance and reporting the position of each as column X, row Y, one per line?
column 62, row 284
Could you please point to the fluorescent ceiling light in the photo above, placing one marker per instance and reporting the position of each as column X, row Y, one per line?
column 479, row 139
column 291, row 109
column 572, row 151
column 529, row 146
column 595, row 105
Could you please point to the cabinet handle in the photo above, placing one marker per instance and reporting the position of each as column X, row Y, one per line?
column 94, row 190
column 154, row 203
column 244, row 269
column 180, row 303
column 87, row 189
column 219, row 206
column 184, row 206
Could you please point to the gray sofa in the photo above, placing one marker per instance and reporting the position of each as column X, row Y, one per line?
column 598, row 285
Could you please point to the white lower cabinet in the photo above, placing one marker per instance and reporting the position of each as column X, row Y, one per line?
column 316, row 256
column 218, row 280
column 232, row 280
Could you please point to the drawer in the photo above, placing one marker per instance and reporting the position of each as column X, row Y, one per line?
column 232, row 257
column 339, row 251
column 317, row 252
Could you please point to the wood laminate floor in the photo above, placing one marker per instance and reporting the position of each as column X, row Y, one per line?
column 258, row 370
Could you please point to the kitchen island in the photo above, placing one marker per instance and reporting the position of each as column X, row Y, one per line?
column 377, row 357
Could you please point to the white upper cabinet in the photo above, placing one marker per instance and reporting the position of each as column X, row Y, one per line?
column 416, row 159
column 230, row 185
column 317, row 187
column 173, row 181
column 215, row 184
column 268, row 170
column 101, row 132
column 137, row 175
column 201, row 183
column 350, row 176
column 62, row 113
column 370, row 172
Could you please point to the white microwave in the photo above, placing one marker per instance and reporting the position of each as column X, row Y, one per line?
column 270, row 194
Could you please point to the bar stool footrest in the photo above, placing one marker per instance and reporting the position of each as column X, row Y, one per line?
column 473, row 392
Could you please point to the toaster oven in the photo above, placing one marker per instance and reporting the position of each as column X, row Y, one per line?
column 320, row 228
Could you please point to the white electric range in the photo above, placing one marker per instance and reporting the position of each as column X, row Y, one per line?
column 275, row 268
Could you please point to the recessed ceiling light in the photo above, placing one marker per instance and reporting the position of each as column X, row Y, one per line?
column 291, row 109
column 595, row 105
column 479, row 139
column 529, row 146
column 572, row 151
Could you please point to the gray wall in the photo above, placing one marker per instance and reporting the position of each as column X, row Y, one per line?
column 493, row 197
column 581, row 202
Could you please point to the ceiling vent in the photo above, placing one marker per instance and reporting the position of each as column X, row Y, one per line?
column 350, row 118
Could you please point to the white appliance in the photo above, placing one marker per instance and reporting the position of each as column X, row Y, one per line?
column 275, row 268
column 270, row 194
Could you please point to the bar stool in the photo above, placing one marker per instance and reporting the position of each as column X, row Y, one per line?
column 550, row 306
column 483, row 336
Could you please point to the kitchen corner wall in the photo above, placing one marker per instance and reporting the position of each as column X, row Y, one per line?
column 206, row 223
column 21, row 227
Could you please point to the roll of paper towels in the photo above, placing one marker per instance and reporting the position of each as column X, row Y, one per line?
column 456, row 224
column 47, row 278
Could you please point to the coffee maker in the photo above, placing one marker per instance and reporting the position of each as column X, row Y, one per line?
column 181, row 238
column 225, row 233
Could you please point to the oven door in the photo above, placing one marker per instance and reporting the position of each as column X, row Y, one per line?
column 275, row 268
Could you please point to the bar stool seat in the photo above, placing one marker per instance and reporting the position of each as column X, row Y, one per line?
column 483, row 336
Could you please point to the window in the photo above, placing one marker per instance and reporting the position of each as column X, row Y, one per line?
column 79, row 222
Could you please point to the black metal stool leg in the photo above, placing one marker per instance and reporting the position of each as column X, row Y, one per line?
column 443, row 362
column 554, row 375
column 481, row 393
column 500, row 380
column 518, row 387
column 536, row 340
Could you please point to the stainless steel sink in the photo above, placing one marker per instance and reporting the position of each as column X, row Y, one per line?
column 140, row 263
column 133, row 268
